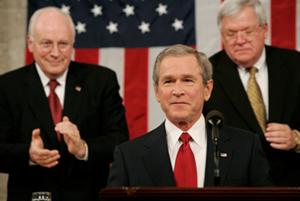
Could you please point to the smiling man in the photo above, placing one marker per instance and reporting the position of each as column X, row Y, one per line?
column 51, row 42
column 257, row 87
column 60, row 120
column 180, row 151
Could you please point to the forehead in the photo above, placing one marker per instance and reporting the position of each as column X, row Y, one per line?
column 179, row 65
column 244, row 19
column 52, row 25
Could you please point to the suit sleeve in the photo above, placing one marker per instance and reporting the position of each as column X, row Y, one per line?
column 118, row 176
column 13, row 156
column 113, row 124
column 259, row 170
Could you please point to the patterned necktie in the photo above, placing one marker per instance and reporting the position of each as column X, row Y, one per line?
column 55, row 105
column 185, row 172
column 255, row 98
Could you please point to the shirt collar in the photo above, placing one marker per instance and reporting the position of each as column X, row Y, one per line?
column 260, row 64
column 197, row 132
column 61, row 80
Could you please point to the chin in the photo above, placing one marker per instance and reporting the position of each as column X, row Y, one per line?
column 242, row 61
column 179, row 118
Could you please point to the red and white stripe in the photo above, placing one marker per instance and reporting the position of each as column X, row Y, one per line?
column 134, row 66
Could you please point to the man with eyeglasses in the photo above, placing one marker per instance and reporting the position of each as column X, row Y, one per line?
column 257, row 87
column 60, row 120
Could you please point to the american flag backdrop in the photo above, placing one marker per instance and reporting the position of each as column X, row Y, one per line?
column 127, row 35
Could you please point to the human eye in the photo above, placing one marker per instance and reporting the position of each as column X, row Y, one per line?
column 231, row 33
column 45, row 44
column 167, row 79
column 63, row 43
column 248, row 32
column 189, row 80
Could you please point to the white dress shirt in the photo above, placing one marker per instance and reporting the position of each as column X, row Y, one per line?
column 60, row 92
column 198, row 145
column 261, row 77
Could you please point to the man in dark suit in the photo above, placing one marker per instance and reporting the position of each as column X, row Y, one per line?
column 243, row 26
column 70, row 158
column 182, row 82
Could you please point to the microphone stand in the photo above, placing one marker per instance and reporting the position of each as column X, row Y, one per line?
column 215, row 121
column 215, row 139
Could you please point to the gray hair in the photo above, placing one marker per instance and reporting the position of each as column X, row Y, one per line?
column 37, row 13
column 182, row 50
column 231, row 8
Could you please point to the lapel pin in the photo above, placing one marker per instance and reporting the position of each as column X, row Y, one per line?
column 78, row 88
column 223, row 155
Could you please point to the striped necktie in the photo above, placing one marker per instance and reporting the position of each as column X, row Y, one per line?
column 255, row 98
column 54, row 104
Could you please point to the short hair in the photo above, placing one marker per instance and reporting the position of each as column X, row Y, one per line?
column 37, row 13
column 231, row 8
column 182, row 50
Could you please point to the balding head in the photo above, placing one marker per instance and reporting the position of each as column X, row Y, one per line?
column 50, row 39
column 47, row 14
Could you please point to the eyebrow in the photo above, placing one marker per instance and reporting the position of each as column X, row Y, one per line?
column 182, row 76
column 237, row 31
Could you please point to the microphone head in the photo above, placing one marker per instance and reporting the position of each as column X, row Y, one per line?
column 214, row 118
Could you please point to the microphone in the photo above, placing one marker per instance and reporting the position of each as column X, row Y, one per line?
column 215, row 121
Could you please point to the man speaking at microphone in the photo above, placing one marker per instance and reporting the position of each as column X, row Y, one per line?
column 180, row 151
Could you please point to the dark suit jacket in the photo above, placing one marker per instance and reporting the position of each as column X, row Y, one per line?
column 96, row 108
column 230, row 98
column 145, row 162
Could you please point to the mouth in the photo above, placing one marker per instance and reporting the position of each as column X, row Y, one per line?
column 55, row 62
column 242, row 49
column 178, row 103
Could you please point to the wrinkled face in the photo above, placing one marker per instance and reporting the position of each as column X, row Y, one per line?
column 180, row 91
column 52, row 45
column 243, row 38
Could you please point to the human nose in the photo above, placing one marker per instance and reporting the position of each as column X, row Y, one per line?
column 178, row 89
column 55, row 50
column 240, row 38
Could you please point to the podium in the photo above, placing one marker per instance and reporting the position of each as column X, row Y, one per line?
column 206, row 193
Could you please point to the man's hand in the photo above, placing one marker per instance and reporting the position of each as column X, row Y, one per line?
column 37, row 153
column 76, row 145
column 280, row 136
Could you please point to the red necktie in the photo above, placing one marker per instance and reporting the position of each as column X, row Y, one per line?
column 54, row 104
column 185, row 172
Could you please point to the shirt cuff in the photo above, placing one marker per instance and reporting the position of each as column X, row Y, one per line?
column 85, row 158
column 32, row 163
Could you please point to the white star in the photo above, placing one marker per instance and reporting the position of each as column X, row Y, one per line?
column 128, row 10
column 112, row 27
column 161, row 9
column 177, row 24
column 144, row 27
column 65, row 9
column 97, row 10
column 80, row 27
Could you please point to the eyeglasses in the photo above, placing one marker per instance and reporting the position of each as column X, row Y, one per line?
column 47, row 46
column 247, row 34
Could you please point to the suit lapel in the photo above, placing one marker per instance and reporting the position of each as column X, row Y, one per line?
column 74, row 92
column 225, row 155
column 227, row 75
column 38, row 103
column 210, row 164
column 278, row 79
column 157, row 160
